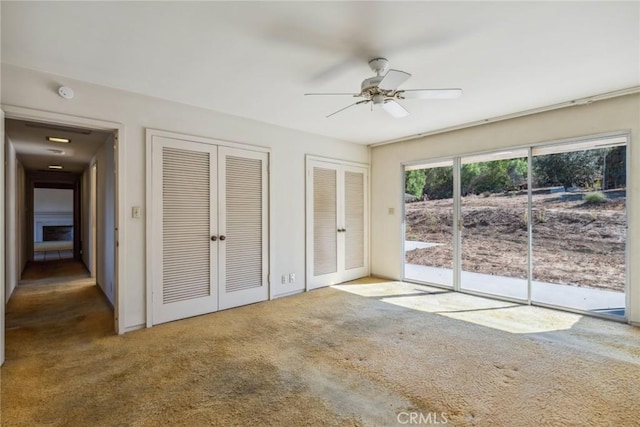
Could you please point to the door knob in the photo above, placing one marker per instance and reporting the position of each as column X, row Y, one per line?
column 214, row 238
column 222, row 238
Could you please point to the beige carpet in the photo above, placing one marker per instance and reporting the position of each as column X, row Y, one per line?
column 368, row 354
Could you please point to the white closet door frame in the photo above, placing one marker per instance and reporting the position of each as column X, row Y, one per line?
column 253, row 294
column 190, row 307
column 341, row 275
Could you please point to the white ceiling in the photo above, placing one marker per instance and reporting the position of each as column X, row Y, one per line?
column 257, row 59
column 35, row 152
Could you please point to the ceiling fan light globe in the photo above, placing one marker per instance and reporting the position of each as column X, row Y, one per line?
column 378, row 99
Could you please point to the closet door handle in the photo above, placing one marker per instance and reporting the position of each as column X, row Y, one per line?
column 222, row 237
column 214, row 238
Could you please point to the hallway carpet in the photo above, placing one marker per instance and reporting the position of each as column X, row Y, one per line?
column 54, row 270
column 322, row 358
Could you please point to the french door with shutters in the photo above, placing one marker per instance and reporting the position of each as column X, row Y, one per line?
column 337, row 222
column 209, row 228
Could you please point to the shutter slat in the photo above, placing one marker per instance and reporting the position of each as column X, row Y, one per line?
column 325, row 255
column 243, row 201
column 354, row 220
column 185, row 225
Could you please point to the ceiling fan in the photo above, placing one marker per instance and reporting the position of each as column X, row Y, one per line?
column 382, row 90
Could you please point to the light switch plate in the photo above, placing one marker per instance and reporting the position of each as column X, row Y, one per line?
column 136, row 212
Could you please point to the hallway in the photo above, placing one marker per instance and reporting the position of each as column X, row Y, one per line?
column 56, row 307
column 53, row 270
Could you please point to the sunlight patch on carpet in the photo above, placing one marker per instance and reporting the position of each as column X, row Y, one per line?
column 501, row 315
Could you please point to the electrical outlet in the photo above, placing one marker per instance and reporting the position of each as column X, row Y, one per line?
column 292, row 277
column 284, row 279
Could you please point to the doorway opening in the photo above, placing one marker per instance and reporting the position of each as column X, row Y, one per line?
column 54, row 223
column 61, row 242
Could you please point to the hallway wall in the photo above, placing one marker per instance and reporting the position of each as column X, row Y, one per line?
column 85, row 220
column 21, row 217
column 105, row 261
column 11, row 260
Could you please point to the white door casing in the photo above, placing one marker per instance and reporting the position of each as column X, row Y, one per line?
column 337, row 222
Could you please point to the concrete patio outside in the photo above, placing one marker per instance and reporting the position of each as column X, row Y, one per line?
column 573, row 297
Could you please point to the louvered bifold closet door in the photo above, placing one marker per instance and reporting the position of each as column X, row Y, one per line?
column 355, row 223
column 354, row 219
column 322, row 206
column 325, row 222
column 243, row 223
column 337, row 222
column 184, row 195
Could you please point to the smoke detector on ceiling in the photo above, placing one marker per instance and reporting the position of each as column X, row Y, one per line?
column 65, row 92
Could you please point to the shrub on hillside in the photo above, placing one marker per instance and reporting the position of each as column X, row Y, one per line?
column 595, row 198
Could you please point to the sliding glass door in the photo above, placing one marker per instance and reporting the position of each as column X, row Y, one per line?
column 579, row 226
column 544, row 225
column 494, row 237
column 428, row 246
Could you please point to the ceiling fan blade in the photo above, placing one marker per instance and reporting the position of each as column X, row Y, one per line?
column 429, row 93
column 395, row 109
column 341, row 93
column 393, row 79
column 348, row 106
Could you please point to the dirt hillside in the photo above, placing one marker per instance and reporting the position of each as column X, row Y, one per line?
column 573, row 243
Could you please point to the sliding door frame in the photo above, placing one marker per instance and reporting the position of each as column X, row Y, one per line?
column 457, row 221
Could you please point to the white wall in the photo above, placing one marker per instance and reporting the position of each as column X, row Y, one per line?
column 105, row 203
column 25, row 88
column 21, row 218
column 11, row 260
column 619, row 114
column 52, row 200
column 85, row 219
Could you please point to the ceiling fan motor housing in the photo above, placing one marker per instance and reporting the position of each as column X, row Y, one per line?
column 379, row 65
column 370, row 85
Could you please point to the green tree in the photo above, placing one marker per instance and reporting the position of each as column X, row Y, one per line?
column 615, row 168
column 414, row 181
column 517, row 171
column 492, row 176
column 576, row 168
column 439, row 183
